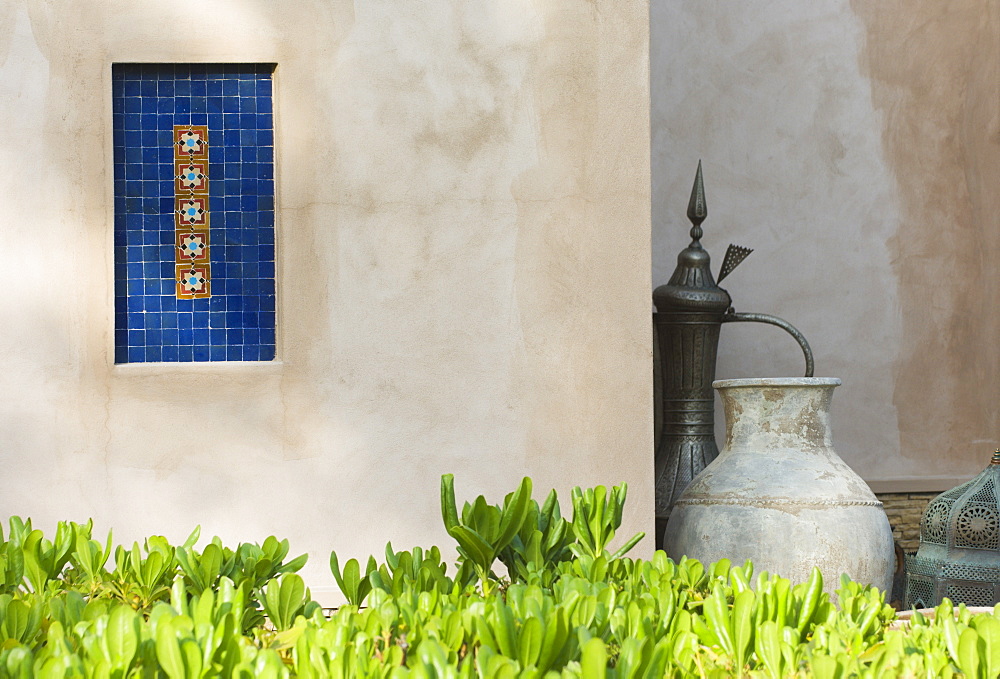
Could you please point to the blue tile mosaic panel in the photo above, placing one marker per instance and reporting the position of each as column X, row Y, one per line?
column 194, row 212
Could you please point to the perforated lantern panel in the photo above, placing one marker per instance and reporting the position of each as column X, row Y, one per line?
column 959, row 555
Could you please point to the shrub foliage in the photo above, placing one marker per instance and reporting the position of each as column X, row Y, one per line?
column 563, row 604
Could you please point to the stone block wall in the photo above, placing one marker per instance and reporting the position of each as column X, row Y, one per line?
column 904, row 511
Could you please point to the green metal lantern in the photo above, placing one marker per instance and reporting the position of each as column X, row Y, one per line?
column 959, row 554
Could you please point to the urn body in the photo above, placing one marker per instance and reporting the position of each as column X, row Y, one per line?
column 778, row 493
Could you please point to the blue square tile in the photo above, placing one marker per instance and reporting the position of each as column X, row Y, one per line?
column 251, row 352
column 200, row 319
column 234, row 352
column 201, row 352
column 170, row 354
column 154, row 352
column 136, row 354
column 185, row 353
column 218, row 352
column 267, row 336
column 200, row 335
column 170, row 336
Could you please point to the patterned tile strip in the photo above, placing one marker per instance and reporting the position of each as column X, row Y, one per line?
column 191, row 214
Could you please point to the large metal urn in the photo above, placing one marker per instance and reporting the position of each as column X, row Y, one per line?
column 779, row 494
column 691, row 309
column 959, row 554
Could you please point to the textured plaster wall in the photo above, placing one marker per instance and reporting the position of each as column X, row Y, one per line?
column 856, row 146
column 463, row 239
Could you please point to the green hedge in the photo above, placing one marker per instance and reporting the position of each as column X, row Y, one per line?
column 567, row 606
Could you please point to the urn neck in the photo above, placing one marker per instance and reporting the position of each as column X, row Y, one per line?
column 777, row 412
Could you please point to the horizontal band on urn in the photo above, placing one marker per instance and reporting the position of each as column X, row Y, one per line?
column 778, row 382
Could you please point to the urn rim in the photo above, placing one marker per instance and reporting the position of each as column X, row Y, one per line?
column 778, row 382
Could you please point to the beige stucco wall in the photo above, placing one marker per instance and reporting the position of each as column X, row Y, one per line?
column 463, row 242
column 856, row 146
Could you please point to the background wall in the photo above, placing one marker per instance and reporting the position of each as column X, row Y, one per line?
column 856, row 147
column 463, row 272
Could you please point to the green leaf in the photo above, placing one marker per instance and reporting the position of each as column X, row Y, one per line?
column 449, row 511
column 969, row 653
column 513, row 515
column 594, row 660
column 814, row 590
column 742, row 624
column 474, row 546
column 717, row 614
column 530, row 641
column 123, row 636
column 632, row 542
column 284, row 599
column 168, row 652
column 988, row 628
column 768, row 647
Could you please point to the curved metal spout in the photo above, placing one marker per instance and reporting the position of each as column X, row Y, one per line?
column 733, row 317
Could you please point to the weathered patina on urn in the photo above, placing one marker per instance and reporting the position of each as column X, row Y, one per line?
column 779, row 494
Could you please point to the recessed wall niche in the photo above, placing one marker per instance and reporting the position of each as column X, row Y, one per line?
column 194, row 212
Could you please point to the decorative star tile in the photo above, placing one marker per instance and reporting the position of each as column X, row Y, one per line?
column 191, row 177
column 191, row 141
column 192, row 246
column 192, row 211
column 193, row 282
